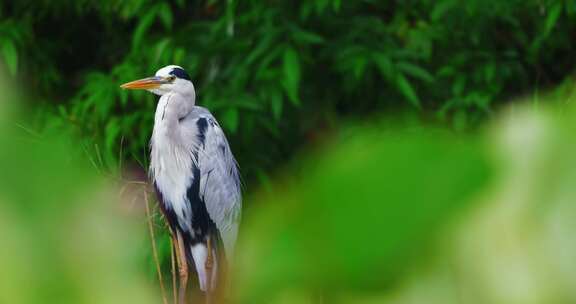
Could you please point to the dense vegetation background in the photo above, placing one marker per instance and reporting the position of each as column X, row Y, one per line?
column 409, row 151
column 281, row 74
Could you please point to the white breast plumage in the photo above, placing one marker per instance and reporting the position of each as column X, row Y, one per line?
column 170, row 167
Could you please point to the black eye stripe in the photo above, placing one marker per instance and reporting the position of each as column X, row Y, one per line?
column 180, row 73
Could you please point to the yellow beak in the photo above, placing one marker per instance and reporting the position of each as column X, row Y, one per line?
column 144, row 84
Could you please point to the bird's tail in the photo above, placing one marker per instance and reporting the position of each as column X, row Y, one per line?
column 199, row 254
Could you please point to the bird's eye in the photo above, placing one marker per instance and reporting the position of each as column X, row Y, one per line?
column 171, row 78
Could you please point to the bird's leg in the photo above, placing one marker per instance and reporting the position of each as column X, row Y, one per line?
column 182, row 268
column 209, row 265
column 174, row 260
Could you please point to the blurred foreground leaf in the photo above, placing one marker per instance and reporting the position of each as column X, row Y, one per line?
column 362, row 214
column 64, row 237
column 10, row 56
column 374, row 219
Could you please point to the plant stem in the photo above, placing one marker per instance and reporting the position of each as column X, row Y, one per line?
column 154, row 250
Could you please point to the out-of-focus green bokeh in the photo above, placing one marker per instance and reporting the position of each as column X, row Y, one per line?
column 422, row 217
column 391, row 151
column 66, row 235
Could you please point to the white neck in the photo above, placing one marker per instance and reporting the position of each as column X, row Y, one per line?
column 167, row 139
column 170, row 109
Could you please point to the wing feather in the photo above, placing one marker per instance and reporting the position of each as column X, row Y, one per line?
column 219, row 180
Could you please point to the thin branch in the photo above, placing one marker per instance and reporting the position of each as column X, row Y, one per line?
column 173, row 265
column 120, row 155
column 154, row 251
column 99, row 155
column 27, row 130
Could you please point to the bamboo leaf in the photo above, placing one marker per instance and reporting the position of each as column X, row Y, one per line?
column 552, row 17
column 384, row 65
column 291, row 80
column 165, row 14
column 160, row 48
column 307, row 37
column 143, row 26
column 415, row 71
column 230, row 119
column 276, row 104
column 407, row 90
column 10, row 56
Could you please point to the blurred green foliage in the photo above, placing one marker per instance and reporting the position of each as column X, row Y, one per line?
column 280, row 72
column 358, row 216
column 421, row 216
column 61, row 226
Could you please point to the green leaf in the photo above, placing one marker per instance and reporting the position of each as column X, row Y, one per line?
column 384, row 65
column 62, row 110
column 179, row 55
column 160, row 48
column 441, row 8
column 460, row 120
column 230, row 119
column 165, row 14
column 143, row 26
column 10, row 56
column 336, row 4
column 261, row 49
column 307, row 37
column 321, row 5
column 123, row 97
column 112, row 132
column 291, row 80
column 359, row 67
column 415, row 71
column 276, row 103
column 489, row 72
column 459, row 85
column 407, row 90
column 446, row 71
column 306, row 10
column 552, row 17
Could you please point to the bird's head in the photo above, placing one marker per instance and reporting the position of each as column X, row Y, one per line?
column 169, row 79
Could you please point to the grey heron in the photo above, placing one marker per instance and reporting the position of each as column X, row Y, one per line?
column 195, row 176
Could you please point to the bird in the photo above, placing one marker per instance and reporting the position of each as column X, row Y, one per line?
column 196, row 178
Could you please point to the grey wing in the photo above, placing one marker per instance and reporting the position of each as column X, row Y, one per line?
column 219, row 181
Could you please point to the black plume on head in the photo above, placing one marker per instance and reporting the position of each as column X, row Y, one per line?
column 180, row 73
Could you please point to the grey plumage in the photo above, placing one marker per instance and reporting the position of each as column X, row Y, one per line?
column 219, row 177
